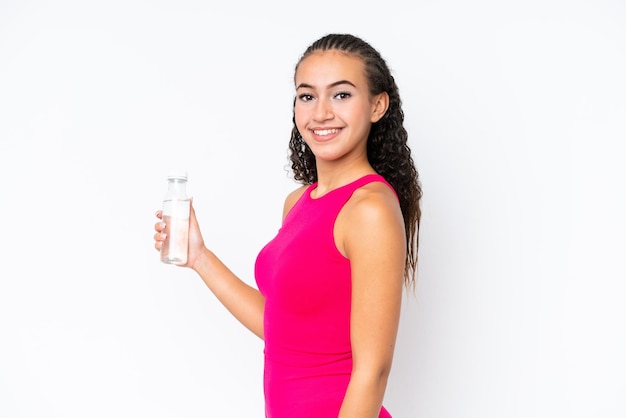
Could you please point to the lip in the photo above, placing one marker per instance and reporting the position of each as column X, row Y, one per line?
column 325, row 134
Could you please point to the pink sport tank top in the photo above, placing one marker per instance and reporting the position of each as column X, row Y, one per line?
column 307, row 288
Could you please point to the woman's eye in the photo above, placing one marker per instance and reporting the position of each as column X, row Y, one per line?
column 305, row 97
column 342, row 95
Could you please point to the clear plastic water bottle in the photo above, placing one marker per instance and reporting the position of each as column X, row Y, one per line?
column 176, row 207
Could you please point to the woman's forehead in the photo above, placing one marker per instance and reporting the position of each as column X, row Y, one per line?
column 326, row 67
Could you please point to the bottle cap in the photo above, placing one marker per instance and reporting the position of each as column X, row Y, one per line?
column 177, row 174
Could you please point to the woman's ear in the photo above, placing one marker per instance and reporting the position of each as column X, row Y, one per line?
column 379, row 106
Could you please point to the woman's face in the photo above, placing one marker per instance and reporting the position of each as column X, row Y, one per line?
column 333, row 107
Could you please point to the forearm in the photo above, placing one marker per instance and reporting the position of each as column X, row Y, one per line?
column 364, row 396
column 242, row 300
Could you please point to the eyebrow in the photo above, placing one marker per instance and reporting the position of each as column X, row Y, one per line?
column 336, row 83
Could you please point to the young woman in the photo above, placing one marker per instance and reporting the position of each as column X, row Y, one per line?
column 330, row 283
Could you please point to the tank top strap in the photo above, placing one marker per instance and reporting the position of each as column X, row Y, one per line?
column 342, row 194
column 369, row 178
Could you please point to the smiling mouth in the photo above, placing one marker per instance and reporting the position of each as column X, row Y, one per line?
column 323, row 132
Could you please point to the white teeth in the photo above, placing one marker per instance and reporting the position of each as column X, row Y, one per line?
column 326, row 131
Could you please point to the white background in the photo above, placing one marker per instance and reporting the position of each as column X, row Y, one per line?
column 515, row 112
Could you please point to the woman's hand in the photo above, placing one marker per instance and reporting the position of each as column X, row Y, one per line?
column 244, row 301
column 196, row 242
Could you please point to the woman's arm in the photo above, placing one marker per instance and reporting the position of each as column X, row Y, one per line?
column 242, row 300
column 370, row 232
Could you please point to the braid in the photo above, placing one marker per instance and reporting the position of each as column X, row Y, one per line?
column 387, row 146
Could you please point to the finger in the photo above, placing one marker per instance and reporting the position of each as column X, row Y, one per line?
column 159, row 226
column 159, row 214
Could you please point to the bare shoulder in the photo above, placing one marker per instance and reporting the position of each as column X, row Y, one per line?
column 373, row 201
column 371, row 218
column 292, row 198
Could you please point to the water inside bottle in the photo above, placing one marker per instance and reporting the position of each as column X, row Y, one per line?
column 176, row 218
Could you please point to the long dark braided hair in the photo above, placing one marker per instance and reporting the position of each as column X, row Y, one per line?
column 387, row 149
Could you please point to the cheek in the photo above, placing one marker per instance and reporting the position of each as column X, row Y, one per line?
column 300, row 118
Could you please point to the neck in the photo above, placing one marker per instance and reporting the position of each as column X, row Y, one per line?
column 330, row 176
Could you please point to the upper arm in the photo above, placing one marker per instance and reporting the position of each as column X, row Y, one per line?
column 373, row 239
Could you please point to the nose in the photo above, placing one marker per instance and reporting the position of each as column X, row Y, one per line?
column 323, row 111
